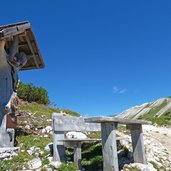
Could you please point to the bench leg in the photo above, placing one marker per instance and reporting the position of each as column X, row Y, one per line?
column 138, row 143
column 58, row 147
column 109, row 147
column 77, row 155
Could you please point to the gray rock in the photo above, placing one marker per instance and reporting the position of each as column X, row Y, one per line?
column 33, row 150
column 49, row 147
column 27, row 127
column 140, row 166
column 48, row 129
column 7, row 153
column 35, row 163
column 55, row 164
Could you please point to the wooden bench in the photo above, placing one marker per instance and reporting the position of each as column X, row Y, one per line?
column 62, row 124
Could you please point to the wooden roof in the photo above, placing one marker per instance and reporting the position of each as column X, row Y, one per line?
column 27, row 43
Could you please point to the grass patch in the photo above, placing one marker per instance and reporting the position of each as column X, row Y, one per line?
column 165, row 119
column 39, row 110
column 94, row 135
column 25, row 142
column 68, row 167
column 122, row 128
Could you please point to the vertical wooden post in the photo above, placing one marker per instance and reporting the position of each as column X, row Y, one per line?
column 109, row 147
column 138, row 143
column 58, row 146
column 77, row 155
column 6, row 91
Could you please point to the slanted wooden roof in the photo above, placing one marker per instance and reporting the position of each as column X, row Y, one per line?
column 27, row 43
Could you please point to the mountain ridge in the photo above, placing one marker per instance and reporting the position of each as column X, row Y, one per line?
column 158, row 111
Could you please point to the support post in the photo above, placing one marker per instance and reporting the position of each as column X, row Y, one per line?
column 6, row 91
column 138, row 143
column 77, row 155
column 58, row 146
column 109, row 147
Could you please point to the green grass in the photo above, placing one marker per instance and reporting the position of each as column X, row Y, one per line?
column 95, row 135
column 154, row 110
column 122, row 128
column 68, row 167
column 69, row 112
column 163, row 120
column 39, row 110
column 33, row 140
column 25, row 142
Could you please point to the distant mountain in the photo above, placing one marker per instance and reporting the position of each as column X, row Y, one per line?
column 158, row 112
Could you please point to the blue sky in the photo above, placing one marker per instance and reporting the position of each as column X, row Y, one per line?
column 101, row 56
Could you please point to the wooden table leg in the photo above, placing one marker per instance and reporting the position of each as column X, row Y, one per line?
column 77, row 155
column 109, row 147
column 138, row 143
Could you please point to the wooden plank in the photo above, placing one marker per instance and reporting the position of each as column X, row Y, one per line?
column 101, row 119
column 31, row 49
column 77, row 155
column 79, row 140
column 6, row 36
column 58, row 146
column 23, row 26
column 87, row 139
column 109, row 147
column 72, row 123
column 25, row 44
column 12, row 25
column 138, row 144
column 9, row 31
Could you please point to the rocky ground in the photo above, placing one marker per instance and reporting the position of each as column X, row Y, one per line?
column 157, row 142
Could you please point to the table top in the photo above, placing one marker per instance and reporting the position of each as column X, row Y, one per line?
column 107, row 119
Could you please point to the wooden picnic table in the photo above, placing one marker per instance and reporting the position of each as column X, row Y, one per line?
column 109, row 145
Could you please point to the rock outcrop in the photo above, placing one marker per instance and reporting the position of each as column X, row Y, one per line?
column 158, row 108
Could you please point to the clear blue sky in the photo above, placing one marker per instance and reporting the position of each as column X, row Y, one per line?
column 101, row 56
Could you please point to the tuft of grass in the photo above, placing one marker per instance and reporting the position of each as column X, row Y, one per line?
column 69, row 112
column 92, row 164
column 68, row 167
column 95, row 135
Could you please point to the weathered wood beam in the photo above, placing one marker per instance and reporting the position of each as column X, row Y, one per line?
column 58, row 146
column 14, row 30
column 109, row 147
column 77, row 155
column 138, row 144
column 103, row 119
column 31, row 49
column 24, row 44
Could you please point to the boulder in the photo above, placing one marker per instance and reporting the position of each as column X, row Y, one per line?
column 35, row 163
